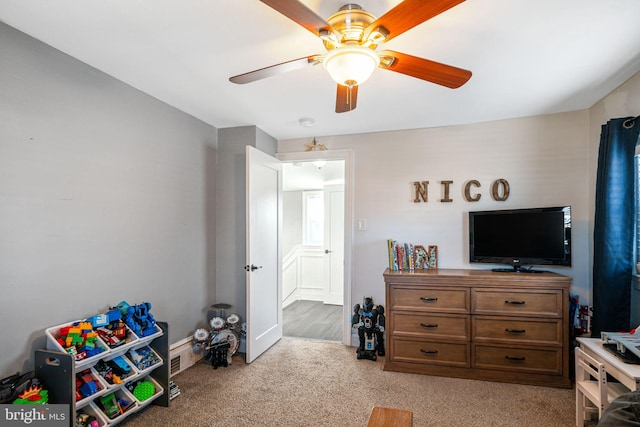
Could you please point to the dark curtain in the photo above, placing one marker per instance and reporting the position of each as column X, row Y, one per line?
column 613, row 261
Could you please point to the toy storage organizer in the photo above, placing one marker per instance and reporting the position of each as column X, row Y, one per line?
column 57, row 370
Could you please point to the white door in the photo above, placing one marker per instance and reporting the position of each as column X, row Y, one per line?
column 264, row 261
column 334, row 246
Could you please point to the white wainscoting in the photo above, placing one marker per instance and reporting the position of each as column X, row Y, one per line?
column 302, row 275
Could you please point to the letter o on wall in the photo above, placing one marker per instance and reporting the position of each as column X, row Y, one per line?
column 500, row 190
column 467, row 191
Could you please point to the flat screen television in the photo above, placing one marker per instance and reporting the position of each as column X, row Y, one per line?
column 521, row 237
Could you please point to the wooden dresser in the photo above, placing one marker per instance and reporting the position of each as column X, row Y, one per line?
column 508, row 327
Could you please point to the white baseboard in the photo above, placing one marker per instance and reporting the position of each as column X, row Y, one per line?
column 182, row 356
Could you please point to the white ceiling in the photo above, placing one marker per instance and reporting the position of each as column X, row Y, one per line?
column 528, row 57
column 311, row 176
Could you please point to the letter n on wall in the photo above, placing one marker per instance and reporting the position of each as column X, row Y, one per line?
column 422, row 191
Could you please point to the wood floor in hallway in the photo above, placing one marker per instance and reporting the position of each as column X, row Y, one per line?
column 313, row 319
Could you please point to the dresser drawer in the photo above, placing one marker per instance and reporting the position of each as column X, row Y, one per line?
column 538, row 360
column 439, row 326
column 451, row 300
column 515, row 302
column 517, row 330
column 431, row 352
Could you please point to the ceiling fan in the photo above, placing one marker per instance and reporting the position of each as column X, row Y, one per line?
column 352, row 36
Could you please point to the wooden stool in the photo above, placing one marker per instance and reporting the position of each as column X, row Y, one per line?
column 390, row 417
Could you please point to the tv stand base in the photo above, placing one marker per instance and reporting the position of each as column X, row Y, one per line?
column 516, row 270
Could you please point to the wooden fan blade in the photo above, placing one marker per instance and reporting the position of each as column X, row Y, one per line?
column 300, row 14
column 409, row 13
column 346, row 98
column 273, row 70
column 420, row 68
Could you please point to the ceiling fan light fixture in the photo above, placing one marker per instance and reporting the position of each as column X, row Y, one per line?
column 319, row 163
column 351, row 65
column 306, row 122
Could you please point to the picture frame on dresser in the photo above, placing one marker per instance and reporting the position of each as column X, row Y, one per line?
column 432, row 253
column 421, row 255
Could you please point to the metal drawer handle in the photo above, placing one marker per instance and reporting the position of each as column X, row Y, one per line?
column 429, row 325
column 515, row 359
column 514, row 302
column 429, row 351
column 515, row 331
column 427, row 299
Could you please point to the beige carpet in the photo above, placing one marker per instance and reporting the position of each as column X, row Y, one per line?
column 302, row 382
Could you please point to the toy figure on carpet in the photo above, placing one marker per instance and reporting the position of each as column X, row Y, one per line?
column 370, row 321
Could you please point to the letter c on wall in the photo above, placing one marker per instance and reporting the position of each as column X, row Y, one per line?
column 467, row 191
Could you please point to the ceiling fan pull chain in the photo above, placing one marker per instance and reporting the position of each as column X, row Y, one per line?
column 350, row 85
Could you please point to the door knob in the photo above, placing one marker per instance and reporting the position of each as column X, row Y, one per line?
column 326, row 251
column 251, row 267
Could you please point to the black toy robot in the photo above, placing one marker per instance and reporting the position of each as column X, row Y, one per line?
column 370, row 321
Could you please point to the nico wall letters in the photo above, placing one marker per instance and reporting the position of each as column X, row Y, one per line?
column 499, row 190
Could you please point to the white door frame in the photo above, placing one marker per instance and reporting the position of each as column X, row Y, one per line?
column 347, row 156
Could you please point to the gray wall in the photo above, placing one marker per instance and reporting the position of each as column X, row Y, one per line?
column 106, row 194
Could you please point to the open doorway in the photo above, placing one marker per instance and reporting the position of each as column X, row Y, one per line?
column 313, row 249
